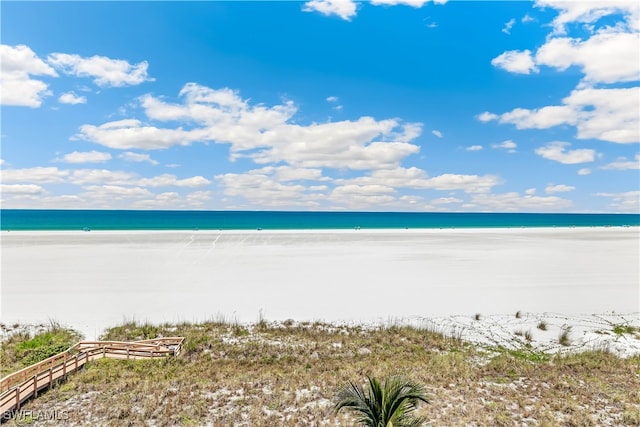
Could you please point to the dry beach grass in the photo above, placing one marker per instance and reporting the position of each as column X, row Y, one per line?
column 287, row 374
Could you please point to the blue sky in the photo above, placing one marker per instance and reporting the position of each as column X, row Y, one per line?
column 389, row 105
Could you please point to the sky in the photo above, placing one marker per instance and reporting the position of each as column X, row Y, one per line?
column 387, row 105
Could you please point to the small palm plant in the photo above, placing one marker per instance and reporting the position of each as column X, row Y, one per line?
column 388, row 404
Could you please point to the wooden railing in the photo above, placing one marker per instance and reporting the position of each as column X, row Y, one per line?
column 19, row 386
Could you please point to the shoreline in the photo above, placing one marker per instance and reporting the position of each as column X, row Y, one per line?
column 331, row 230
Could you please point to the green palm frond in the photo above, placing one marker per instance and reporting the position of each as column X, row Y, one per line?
column 388, row 404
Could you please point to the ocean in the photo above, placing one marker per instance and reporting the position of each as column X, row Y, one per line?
column 27, row 219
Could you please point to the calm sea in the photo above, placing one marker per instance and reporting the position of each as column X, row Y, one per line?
column 20, row 219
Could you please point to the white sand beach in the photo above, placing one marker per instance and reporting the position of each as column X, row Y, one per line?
column 93, row 280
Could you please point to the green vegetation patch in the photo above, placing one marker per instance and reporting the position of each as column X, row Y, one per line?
column 23, row 348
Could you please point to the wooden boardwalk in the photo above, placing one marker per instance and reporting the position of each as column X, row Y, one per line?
column 24, row 384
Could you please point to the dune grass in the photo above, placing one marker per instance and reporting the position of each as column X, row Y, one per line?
column 25, row 347
column 288, row 374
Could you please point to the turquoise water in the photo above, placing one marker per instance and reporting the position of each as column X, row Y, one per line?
column 21, row 219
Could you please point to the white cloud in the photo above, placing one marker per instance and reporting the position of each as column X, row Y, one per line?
column 40, row 175
column 72, row 98
column 607, row 52
column 288, row 173
column 487, row 117
column 345, row 9
column 167, row 200
column 590, row 12
column 445, row 201
column 437, row 133
column 513, row 202
column 558, row 188
column 412, row 3
column 85, row 157
column 508, row 26
column 606, row 114
column 262, row 189
column 101, row 176
column 21, row 189
column 624, row 164
column 607, row 57
column 114, row 192
column 557, row 151
column 417, row 179
column 52, row 175
column 527, row 18
column 18, row 64
column 130, row 134
column 515, row 61
column 628, row 201
column 166, row 180
column 362, row 196
column 584, row 171
column 173, row 200
column 264, row 134
column 542, row 118
column 129, row 156
column 474, row 148
column 508, row 145
column 104, row 71
column 530, row 191
column 332, row 99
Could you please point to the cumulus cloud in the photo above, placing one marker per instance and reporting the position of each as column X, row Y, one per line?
column 508, row 26
column 515, row 61
column 18, row 64
column 508, row 145
column 129, row 156
column 263, row 134
column 173, row 200
column 53, row 175
column 345, row 9
column 607, row 53
column 412, row 3
column 362, row 196
column 584, row 171
column 167, row 180
column 590, row 12
column 628, row 201
column 487, row 117
column 437, row 133
column 610, row 56
column 40, row 175
column 416, row 178
column 623, row 164
column 557, row 151
column 104, row 71
column 130, row 134
column 114, row 192
column 21, row 189
column 513, row 202
column 474, row 148
column 85, row 157
column 72, row 98
column 558, row 188
column 263, row 189
column 607, row 114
